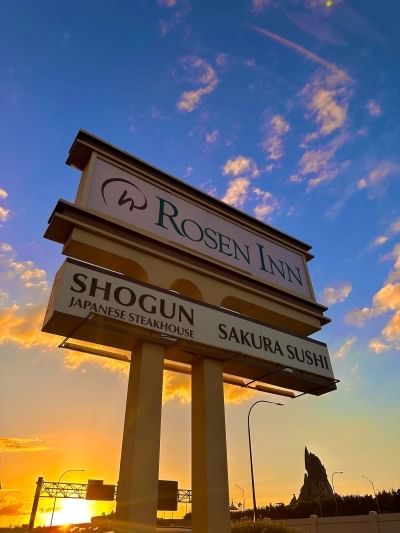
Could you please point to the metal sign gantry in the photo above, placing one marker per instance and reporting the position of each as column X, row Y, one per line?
column 56, row 490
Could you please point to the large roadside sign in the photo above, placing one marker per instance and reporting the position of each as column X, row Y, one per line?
column 153, row 211
column 81, row 290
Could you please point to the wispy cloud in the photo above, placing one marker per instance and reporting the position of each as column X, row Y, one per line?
column 326, row 99
column 336, row 294
column 178, row 12
column 385, row 301
column 383, row 170
column 276, row 128
column 243, row 169
column 374, row 109
column 267, row 204
column 344, row 349
column 21, row 444
column 24, row 271
column 204, row 75
column 319, row 165
column 4, row 214
column 241, row 165
column 3, row 194
column 392, row 230
column 303, row 52
column 259, row 5
column 10, row 505
column 237, row 192
column 212, row 136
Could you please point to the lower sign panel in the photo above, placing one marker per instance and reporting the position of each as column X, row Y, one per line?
column 97, row 305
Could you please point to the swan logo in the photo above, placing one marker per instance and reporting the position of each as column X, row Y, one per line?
column 125, row 192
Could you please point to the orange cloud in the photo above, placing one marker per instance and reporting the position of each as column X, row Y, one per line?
column 385, row 300
column 4, row 214
column 241, row 165
column 22, row 326
column 3, row 194
column 237, row 192
column 207, row 76
column 273, row 144
column 333, row 295
column 344, row 349
column 267, row 205
column 20, row 444
column 10, row 505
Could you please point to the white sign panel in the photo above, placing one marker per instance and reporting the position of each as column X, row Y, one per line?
column 151, row 210
column 82, row 289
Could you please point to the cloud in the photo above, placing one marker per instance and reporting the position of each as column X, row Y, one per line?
column 267, row 205
column 204, row 75
column 167, row 3
column 3, row 194
column 259, row 5
column 304, row 52
column 273, row 143
column 333, row 295
column 177, row 17
column 378, row 174
column 392, row 230
column 326, row 99
column 3, row 297
column 4, row 214
column 241, row 165
column 344, row 349
column 385, row 301
column 20, row 444
column 374, row 109
column 377, row 346
column 379, row 241
column 320, row 164
column 25, row 272
column 212, row 136
column 358, row 317
column 22, row 326
column 10, row 505
column 237, row 192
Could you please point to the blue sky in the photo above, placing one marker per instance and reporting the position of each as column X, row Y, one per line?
column 287, row 110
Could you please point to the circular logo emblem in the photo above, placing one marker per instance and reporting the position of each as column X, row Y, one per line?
column 127, row 194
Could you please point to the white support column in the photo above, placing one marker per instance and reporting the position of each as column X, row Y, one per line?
column 210, row 490
column 138, row 478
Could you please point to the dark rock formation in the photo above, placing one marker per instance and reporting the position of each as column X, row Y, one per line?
column 316, row 486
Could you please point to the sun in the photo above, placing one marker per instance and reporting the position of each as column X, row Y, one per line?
column 73, row 512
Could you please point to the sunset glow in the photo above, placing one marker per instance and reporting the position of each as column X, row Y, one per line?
column 286, row 110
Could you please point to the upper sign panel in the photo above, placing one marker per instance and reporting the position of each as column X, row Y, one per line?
column 152, row 210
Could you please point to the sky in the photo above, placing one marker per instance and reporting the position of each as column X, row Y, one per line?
column 285, row 109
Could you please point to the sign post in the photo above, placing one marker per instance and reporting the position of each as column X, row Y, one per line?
column 137, row 495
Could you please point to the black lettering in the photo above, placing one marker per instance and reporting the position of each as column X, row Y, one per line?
column 223, row 243
column 77, row 279
column 212, row 238
column 291, row 272
column 95, row 287
column 183, row 228
column 222, row 331
column 131, row 296
column 142, row 299
column 245, row 255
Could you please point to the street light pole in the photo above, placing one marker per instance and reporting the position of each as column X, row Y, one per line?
column 243, row 499
column 373, row 488
column 251, row 454
column 334, row 492
column 58, row 484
